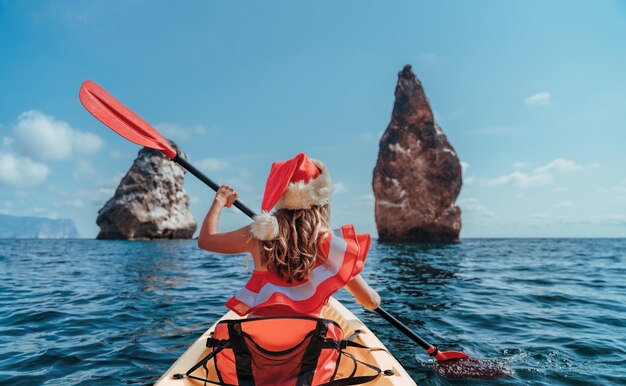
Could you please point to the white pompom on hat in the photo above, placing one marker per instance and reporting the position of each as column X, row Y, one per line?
column 297, row 183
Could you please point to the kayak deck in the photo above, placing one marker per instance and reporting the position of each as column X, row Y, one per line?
column 334, row 311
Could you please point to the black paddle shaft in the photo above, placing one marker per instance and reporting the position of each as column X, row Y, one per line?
column 192, row 169
column 248, row 212
column 400, row 326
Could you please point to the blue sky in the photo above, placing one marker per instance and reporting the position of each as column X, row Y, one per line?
column 532, row 95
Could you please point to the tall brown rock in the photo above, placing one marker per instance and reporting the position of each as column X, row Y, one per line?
column 417, row 177
column 150, row 201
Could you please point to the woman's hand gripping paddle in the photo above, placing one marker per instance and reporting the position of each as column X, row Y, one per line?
column 131, row 126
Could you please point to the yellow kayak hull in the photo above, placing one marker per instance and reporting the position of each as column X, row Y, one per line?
column 334, row 311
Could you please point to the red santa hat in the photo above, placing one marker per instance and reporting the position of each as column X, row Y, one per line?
column 297, row 183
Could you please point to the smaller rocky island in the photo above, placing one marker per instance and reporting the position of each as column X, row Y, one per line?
column 417, row 177
column 150, row 201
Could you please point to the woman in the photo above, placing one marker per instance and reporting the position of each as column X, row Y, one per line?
column 298, row 261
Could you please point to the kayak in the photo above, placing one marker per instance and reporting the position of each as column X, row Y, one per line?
column 334, row 310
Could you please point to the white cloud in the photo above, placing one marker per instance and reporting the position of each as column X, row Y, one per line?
column 75, row 203
column 7, row 142
column 616, row 192
column 182, row 133
column 21, row 172
column 565, row 204
column 464, row 167
column 471, row 204
column 213, row 165
column 95, row 197
column 521, row 165
column 111, row 182
column 365, row 198
column 538, row 99
column 43, row 137
column 84, row 170
column 541, row 175
column 559, row 165
column 520, row 179
column 339, row 187
column 469, row 180
column 23, row 208
column 86, row 143
column 116, row 154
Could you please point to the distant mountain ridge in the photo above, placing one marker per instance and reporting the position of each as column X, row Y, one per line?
column 13, row 227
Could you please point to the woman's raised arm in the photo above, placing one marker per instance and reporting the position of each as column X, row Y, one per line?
column 363, row 293
column 210, row 239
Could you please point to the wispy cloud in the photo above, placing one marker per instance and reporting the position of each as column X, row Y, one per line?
column 21, row 172
column 467, row 180
column 520, row 179
column 365, row 198
column 116, row 154
column 339, row 187
column 559, row 165
column 178, row 132
column 43, row 137
column 110, row 182
column 213, row 165
column 541, row 175
column 472, row 204
column 464, row 167
column 520, row 165
column 615, row 192
column 538, row 99
column 84, row 170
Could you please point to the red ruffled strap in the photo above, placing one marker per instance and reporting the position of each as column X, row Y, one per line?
column 345, row 253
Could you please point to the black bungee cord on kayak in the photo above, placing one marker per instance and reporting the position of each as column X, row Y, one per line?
column 297, row 364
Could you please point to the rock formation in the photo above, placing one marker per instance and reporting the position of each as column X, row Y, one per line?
column 150, row 202
column 417, row 177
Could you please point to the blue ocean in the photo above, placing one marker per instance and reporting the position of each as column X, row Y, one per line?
column 87, row 312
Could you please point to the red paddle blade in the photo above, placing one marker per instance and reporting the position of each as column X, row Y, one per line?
column 448, row 355
column 121, row 119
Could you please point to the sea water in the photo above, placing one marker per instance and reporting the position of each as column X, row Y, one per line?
column 87, row 312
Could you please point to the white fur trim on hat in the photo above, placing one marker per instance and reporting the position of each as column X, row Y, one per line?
column 264, row 227
column 300, row 195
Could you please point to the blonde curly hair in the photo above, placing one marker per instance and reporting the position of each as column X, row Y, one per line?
column 294, row 253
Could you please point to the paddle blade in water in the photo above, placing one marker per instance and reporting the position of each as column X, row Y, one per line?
column 468, row 367
column 121, row 119
column 448, row 355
